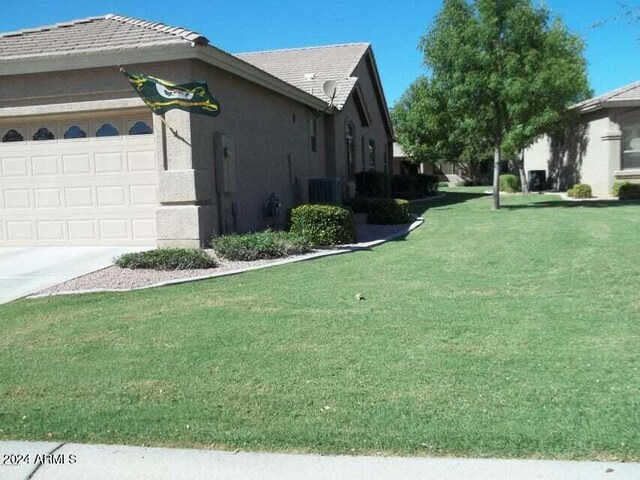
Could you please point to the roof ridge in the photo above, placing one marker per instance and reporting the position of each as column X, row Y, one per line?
column 620, row 91
column 189, row 35
column 45, row 28
column 277, row 50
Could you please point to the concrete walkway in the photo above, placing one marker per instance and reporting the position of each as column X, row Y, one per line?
column 102, row 462
column 26, row 270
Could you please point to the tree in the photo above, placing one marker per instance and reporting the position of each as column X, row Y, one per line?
column 429, row 133
column 509, row 75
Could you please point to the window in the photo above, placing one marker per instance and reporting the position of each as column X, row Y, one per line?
column 385, row 160
column 13, row 136
column 75, row 132
column 313, row 132
column 364, row 154
column 140, row 128
column 372, row 154
column 107, row 130
column 43, row 133
column 631, row 144
column 351, row 151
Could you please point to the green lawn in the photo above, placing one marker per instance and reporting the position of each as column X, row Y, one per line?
column 503, row 334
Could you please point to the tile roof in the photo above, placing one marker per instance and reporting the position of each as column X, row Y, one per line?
column 108, row 32
column 628, row 93
column 309, row 68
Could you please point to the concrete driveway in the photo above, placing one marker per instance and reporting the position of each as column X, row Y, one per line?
column 26, row 270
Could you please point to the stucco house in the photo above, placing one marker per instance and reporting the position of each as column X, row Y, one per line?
column 84, row 162
column 602, row 148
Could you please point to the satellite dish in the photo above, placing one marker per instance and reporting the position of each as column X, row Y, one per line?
column 331, row 90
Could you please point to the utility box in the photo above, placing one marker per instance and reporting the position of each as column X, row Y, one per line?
column 537, row 180
column 224, row 163
column 325, row 190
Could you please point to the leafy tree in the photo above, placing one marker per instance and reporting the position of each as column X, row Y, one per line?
column 429, row 133
column 509, row 75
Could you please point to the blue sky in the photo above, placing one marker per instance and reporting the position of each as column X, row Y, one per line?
column 393, row 27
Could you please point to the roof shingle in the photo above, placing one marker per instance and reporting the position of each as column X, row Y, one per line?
column 309, row 68
column 628, row 93
column 109, row 32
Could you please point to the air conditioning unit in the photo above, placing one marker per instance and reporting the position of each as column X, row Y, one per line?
column 325, row 190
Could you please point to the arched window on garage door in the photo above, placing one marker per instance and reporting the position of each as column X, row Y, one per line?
column 12, row 136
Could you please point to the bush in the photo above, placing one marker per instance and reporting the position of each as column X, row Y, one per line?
column 323, row 224
column 259, row 245
column 372, row 184
column 629, row 191
column 616, row 188
column 580, row 190
column 381, row 211
column 166, row 259
column 509, row 183
column 413, row 185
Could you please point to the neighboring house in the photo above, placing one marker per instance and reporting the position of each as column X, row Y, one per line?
column 447, row 172
column 84, row 162
column 601, row 149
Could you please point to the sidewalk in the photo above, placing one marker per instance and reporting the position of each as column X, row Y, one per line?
column 106, row 462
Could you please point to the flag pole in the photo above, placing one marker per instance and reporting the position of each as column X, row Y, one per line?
column 171, row 129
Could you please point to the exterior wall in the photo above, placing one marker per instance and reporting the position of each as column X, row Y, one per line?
column 590, row 153
column 375, row 131
column 272, row 151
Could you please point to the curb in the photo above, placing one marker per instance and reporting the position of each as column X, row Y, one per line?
column 323, row 253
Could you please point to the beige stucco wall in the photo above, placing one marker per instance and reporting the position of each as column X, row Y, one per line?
column 376, row 131
column 589, row 154
column 272, row 151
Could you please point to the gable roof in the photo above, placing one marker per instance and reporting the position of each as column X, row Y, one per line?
column 309, row 68
column 626, row 96
column 104, row 33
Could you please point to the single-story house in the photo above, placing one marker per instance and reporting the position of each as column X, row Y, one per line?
column 84, row 162
column 601, row 149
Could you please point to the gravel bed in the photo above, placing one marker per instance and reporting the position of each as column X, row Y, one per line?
column 116, row 278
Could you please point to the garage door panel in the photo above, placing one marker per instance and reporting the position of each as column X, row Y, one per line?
column 80, row 191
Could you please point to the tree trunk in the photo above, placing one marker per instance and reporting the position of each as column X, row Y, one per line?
column 496, row 175
column 523, row 175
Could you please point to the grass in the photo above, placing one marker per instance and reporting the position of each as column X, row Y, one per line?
column 484, row 334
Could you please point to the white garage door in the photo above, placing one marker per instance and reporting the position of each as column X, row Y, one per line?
column 78, row 181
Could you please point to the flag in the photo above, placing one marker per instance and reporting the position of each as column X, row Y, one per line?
column 161, row 95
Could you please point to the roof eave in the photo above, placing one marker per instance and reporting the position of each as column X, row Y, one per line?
column 595, row 106
column 170, row 52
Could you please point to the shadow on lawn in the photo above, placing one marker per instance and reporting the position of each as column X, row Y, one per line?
column 570, row 204
column 450, row 198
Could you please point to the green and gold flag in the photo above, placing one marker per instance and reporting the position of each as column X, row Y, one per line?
column 161, row 96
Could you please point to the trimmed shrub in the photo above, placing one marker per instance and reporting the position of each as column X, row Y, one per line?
column 323, row 224
column 509, row 183
column 166, row 259
column 372, row 184
column 629, row 191
column 413, row 185
column 381, row 211
column 616, row 188
column 259, row 245
column 580, row 190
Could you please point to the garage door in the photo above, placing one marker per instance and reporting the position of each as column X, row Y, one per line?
column 75, row 181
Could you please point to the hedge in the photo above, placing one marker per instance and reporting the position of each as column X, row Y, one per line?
column 259, row 245
column 381, row 211
column 629, row 191
column 509, row 183
column 166, row 259
column 322, row 224
column 372, row 184
column 413, row 185
column 580, row 190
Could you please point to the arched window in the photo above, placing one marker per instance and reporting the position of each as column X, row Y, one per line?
column 107, row 130
column 75, row 132
column 13, row 136
column 140, row 128
column 350, row 135
column 631, row 144
column 43, row 133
